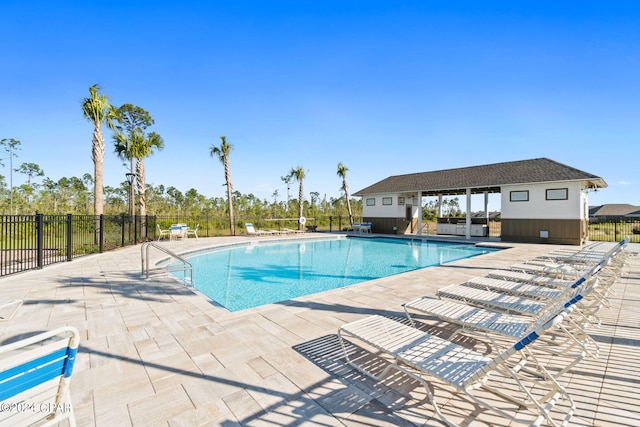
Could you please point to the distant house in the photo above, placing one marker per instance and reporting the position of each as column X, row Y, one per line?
column 613, row 211
column 541, row 201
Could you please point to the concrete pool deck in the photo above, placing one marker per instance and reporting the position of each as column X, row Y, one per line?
column 153, row 352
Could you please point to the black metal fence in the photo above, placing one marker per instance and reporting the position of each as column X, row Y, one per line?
column 33, row 241
column 614, row 230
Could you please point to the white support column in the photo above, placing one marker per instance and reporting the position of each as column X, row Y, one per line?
column 486, row 206
column 439, row 205
column 468, row 227
column 486, row 211
column 419, row 213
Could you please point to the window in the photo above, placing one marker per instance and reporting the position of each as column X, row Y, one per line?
column 387, row 200
column 519, row 196
column 557, row 194
column 400, row 201
column 371, row 201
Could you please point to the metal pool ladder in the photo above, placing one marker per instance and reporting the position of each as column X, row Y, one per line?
column 184, row 266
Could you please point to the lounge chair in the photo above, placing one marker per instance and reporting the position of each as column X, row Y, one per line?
column 491, row 321
column 34, row 379
column 494, row 300
column 8, row 308
column 163, row 233
column 538, row 279
column 193, row 231
column 605, row 273
column 290, row 231
column 556, row 269
column 426, row 358
column 251, row 231
column 572, row 265
column 524, row 289
column 587, row 254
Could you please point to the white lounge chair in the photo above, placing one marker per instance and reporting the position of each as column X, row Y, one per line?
column 491, row 321
column 163, row 233
column 430, row 359
column 573, row 265
column 587, row 254
column 538, row 279
column 559, row 270
column 290, row 231
column 193, row 231
column 251, row 231
column 525, row 289
column 34, row 379
column 514, row 304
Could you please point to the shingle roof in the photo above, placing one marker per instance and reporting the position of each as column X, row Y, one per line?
column 615, row 209
column 482, row 178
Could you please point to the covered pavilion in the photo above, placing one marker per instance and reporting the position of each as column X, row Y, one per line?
column 541, row 200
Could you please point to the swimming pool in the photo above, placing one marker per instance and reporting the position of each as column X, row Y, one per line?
column 245, row 276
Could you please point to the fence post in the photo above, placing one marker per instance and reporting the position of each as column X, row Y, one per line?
column 40, row 239
column 69, row 237
column 101, row 246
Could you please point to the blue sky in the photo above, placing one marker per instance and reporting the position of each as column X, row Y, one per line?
column 386, row 87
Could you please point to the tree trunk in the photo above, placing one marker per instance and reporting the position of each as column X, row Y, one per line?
column 97, row 154
column 349, row 209
column 227, row 177
column 300, row 205
column 142, row 197
column 346, row 196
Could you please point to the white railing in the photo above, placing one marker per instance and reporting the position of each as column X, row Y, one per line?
column 184, row 266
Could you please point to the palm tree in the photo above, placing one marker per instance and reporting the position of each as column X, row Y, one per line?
column 342, row 173
column 97, row 110
column 298, row 174
column 123, row 145
column 223, row 155
column 132, row 122
column 142, row 148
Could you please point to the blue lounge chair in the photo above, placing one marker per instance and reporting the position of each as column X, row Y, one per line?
column 34, row 379
column 431, row 360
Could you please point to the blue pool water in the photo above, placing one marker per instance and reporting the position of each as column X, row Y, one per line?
column 251, row 275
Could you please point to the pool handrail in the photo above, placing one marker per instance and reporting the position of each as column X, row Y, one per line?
column 186, row 265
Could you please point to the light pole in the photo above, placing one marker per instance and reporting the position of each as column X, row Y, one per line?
column 130, row 178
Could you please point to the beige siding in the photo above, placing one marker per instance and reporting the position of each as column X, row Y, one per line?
column 561, row 231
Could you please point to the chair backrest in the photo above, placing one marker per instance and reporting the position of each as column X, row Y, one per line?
column 250, row 228
column 35, row 373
